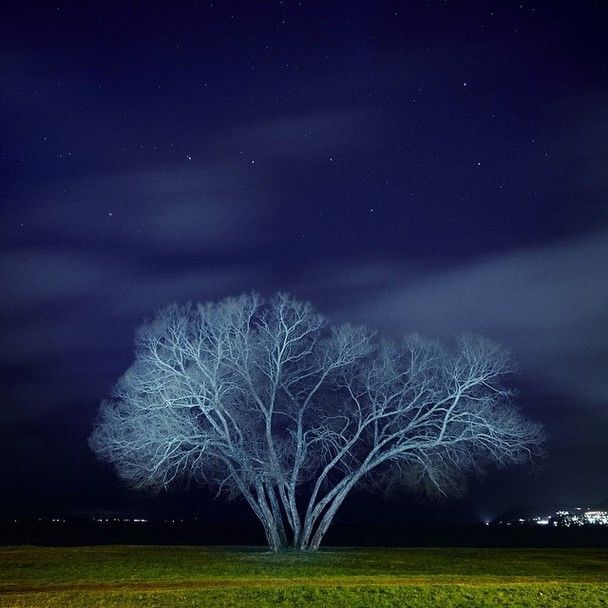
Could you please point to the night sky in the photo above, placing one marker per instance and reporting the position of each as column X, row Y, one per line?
column 436, row 166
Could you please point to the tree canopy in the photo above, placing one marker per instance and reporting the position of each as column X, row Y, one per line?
column 263, row 399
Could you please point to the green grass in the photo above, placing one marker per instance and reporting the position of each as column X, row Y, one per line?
column 120, row 576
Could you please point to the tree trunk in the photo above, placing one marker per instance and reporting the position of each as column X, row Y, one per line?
column 277, row 517
column 313, row 543
column 264, row 512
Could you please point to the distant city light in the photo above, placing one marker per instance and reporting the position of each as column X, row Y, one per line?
column 562, row 519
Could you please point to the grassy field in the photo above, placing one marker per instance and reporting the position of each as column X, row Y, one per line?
column 126, row 576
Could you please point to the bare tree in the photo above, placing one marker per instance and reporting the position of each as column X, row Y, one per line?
column 264, row 400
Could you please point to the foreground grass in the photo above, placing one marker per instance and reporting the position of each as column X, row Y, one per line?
column 193, row 576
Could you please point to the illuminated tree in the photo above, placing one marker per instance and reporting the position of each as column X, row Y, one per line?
column 265, row 400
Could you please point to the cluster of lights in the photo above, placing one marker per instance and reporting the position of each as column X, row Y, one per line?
column 119, row 520
column 53, row 520
column 576, row 517
column 104, row 520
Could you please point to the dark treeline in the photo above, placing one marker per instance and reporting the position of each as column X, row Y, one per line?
column 188, row 532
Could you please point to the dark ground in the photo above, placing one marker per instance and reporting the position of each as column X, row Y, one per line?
column 87, row 532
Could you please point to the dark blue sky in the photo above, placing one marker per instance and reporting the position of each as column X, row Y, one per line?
column 433, row 166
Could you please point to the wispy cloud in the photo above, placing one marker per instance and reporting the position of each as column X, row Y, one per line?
column 284, row 136
column 548, row 304
column 172, row 208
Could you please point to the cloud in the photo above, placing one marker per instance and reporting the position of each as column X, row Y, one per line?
column 35, row 277
column 171, row 208
column 296, row 134
column 548, row 304
column 60, row 302
column 69, row 319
